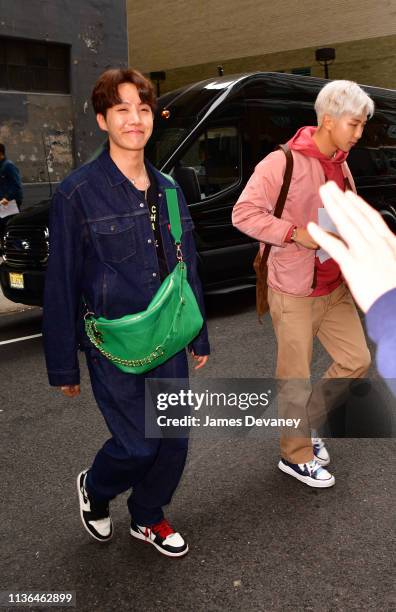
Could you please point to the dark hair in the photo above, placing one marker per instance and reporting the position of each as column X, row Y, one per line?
column 2, row 149
column 105, row 92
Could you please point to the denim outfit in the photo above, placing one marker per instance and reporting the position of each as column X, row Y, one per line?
column 102, row 249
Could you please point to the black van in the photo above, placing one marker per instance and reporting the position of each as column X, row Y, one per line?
column 210, row 135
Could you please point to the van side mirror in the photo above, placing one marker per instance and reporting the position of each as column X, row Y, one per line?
column 188, row 181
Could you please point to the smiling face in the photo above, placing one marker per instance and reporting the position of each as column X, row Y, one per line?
column 345, row 131
column 130, row 123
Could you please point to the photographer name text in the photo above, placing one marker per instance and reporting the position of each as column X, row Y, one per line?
column 245, row 421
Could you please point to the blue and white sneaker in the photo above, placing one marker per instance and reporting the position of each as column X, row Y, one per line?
column 320, row 451
column 311, row 473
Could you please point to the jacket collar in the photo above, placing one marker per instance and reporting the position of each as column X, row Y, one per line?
column 116, row 177
column 113, row 174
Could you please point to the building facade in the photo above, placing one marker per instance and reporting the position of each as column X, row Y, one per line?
column 51, row 52
column 189, row 40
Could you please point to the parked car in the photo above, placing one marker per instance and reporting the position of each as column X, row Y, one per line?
column 209, row 136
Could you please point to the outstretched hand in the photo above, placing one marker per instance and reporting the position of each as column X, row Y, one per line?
column 366, row 252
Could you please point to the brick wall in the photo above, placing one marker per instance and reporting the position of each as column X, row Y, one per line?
column 48, row 133
column 188, row 39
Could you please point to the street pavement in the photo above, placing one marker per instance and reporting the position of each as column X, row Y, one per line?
column 8, row 307
column 259, row 540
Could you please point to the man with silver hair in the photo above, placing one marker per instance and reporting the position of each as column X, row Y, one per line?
column 306, row 292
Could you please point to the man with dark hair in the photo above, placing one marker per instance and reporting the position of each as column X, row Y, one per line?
column 10, row 185
column 10, row 181
column 111, row 248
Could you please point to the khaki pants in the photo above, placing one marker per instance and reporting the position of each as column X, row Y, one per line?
column 334, row 320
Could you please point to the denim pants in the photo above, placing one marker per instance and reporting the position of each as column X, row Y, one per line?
column 151, row 467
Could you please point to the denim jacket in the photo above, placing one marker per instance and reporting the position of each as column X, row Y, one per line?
column 102, row 250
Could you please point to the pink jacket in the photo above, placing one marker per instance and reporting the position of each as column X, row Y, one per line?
column 290, row 265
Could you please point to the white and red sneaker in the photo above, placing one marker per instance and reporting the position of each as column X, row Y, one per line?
column 165, row 539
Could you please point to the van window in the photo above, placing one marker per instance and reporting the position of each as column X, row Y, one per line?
column 270, row 123
column 375, row 154
column 215, row 157
column 164, row 141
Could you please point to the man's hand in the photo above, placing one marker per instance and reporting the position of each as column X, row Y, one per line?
column 202, row 360
column 70, row 390
column 4, row 202
column 304, row 238
column 366, row 252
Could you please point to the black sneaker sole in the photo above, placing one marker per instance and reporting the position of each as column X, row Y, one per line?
column 140, row 536
column 88, row 528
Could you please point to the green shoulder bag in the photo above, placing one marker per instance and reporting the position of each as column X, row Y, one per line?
column 139, row 342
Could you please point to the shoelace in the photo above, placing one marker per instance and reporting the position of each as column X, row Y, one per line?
column 313, row 466
column 318, row 442
column 163, row 529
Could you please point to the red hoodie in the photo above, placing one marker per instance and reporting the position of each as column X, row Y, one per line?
column 328, row 274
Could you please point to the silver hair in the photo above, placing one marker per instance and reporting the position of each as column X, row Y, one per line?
column 339, row 97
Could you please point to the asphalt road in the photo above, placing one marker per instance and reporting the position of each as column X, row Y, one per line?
column 258, row 539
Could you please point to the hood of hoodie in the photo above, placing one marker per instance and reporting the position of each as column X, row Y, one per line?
column 303, row 142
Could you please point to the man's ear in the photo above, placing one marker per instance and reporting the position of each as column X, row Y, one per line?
column 328, row 122
column 101, row 122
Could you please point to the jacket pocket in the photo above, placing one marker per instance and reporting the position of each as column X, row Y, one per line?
column 292, row 271
column 114, row 238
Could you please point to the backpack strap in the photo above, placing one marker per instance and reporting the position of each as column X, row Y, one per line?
column 280, row 203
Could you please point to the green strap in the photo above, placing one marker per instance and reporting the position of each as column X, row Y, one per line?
column 174, row 214
column 172, row 202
